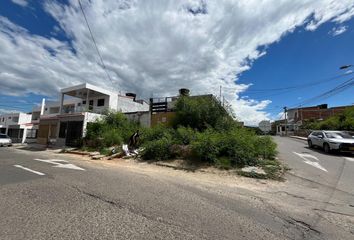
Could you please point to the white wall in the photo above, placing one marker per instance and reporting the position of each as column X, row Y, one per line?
column 15, row 119
column 126, row 105
column 96, row 109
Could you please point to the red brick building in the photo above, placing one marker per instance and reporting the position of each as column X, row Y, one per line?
column 319, row 112
column 297, row 116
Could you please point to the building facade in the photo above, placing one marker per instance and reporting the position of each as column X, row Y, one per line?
column 64, row 123
column 17, row 126
column 296, row 117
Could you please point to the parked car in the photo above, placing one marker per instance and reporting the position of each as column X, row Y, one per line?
column 331, row 140
column 5, row 140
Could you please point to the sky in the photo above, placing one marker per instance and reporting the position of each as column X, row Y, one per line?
column 155, row 47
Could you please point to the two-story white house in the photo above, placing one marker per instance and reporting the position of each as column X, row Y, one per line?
column 64, row 122
column 17, row 126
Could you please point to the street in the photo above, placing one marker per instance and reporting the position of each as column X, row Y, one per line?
column 46, row 195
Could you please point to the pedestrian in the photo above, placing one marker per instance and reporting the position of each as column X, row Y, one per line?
column 133, row 140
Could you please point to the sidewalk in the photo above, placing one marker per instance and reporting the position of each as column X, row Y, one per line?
column 298, row 137
column 36, row 147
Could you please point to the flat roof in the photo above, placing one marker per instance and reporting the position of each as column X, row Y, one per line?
column 87, row 86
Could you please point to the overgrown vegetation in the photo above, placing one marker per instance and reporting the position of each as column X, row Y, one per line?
column 114, row 129
column 202, row 132
column 344, row 121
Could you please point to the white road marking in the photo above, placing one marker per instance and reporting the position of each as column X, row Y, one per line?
column 349, row 159
column 59, row 163
column 69, row 166
column 307, row 159
column 30, row 170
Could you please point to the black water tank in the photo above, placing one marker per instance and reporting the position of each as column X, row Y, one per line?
column 323, row 106
column 133, row 95
column 184, row 92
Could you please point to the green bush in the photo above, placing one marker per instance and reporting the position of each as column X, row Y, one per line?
column 266, row 148
column 205, row 146
column 184, row 135
column 239, row 145
column 223, row 163
column 158, row 149
column 113, row 129
column 112, row 137
column 155, row 133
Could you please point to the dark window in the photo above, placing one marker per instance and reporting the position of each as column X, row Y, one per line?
column 31, row 133
column 90, row 104
column 84, row 102
column 100, row 102
column 9, row 117
column 62, row 129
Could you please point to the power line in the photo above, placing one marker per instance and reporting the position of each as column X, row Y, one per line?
column 340, row 88
column 94, row 42
column 295, row 87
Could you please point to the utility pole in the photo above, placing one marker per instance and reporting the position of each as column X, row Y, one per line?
column 286, row 121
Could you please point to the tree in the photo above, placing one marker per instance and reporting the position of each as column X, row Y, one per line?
column 201, row 112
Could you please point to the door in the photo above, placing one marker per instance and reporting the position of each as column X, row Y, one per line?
column 314, row 138
column 320, row 139
column 74, row 133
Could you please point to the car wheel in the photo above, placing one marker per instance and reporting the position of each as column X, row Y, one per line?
column 310, row 143
column 326, row 148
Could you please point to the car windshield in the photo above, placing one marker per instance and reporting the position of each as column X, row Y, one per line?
column 339, row 135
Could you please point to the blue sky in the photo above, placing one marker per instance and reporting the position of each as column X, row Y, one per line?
column 301, row 58
column 46, row 46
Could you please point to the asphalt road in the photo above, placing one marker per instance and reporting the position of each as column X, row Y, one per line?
column 52, row 196
column 333, row 169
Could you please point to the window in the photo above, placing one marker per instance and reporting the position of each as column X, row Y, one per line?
column 9, row 117
column 31, row 133
column 84, row 102
column 90, row 104
column 100, row 102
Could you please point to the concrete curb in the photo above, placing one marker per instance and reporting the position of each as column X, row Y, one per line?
column 190, row 169
column 298, row 137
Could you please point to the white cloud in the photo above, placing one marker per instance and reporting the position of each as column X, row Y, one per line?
column 338, row 30
column 158, row 46
column 6, row 111
column 22, row 3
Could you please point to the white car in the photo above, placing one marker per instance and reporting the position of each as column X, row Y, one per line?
column 331, row 140
column 5, row 140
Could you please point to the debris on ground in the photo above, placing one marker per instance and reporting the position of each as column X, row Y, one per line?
column 252, row 171
column 94, row 154
column 98, row 157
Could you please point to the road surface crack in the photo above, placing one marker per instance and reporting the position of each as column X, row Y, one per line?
column 334, row 212
column 134, row 211
column 302, row 224
column 98, row 197
column 302, row 197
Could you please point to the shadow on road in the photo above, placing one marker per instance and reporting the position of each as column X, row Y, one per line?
column 333, row 153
